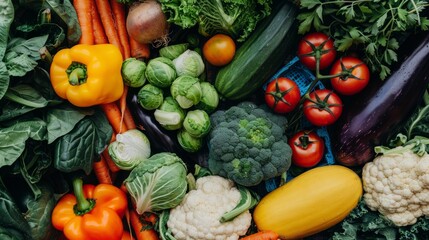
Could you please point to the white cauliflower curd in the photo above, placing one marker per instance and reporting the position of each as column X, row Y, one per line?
column 198, row 215
column 397, row 185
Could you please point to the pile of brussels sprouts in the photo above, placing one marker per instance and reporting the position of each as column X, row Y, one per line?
column 173, row 87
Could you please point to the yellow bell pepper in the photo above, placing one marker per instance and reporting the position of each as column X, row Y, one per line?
column 88, row 75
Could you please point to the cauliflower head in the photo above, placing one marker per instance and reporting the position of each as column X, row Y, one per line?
column 248, row 144
column 198, row 215
column 397, row 185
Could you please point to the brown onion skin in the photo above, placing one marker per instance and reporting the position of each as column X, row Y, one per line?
column 146, row 22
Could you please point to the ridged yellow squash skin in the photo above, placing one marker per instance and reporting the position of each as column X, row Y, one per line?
column 310, row 203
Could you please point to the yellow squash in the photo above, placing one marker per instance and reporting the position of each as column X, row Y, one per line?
column 310, row 203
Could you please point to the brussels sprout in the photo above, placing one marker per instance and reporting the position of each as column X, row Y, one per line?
column 210, row 98
column 160, row 72
column 133, row 72
column 173, row 51
column 197, row 123
column 158, row 183
column 150, row 97
column 186, row 90
column 189, row 63
column 129, row 149
column 170, row 115
column 188, row 142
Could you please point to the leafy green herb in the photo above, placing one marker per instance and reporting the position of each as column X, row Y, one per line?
column 376, row 26
column 238, row 18
column 363, row 223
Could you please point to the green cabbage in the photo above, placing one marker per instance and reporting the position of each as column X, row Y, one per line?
column 158, row 183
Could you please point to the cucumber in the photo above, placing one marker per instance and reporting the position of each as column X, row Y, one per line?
column 261, row 55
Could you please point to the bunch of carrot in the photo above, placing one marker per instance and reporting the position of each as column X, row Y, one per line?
column 104, row 21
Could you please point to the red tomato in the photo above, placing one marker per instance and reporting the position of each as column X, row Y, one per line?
column 314, row 44
column 354, row 75
column 323, row 107
column 219, row 50
column 282, row 95
column 307, row 149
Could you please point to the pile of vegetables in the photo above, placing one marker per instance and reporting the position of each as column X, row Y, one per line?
column 154, row 119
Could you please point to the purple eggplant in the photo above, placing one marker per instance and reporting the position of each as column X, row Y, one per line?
column 376, row 112
column 162, row 140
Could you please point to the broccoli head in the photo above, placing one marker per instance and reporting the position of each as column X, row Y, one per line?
column 248, row 144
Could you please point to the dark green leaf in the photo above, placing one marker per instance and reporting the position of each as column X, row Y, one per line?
column 4, row 79
column 402, row 14
column 381, row 20
column 65, row 10
column 26, row 95
column 344, row 44
column 11, row 110
column 39, row 212
column 7, row 15
column 306, row 23
column 29, row 47
column 78, row 149
column 61, row 120
column 309, row 3
column 13, row 138
column 12, row 223
column 18, row 66
column 319, row 12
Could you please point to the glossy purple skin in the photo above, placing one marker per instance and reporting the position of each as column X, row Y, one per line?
column 378, row 110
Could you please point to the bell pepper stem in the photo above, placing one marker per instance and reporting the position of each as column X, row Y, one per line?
column 83, row 204
column 77, row 76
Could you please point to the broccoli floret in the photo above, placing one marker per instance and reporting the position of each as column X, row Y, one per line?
column 248, row 144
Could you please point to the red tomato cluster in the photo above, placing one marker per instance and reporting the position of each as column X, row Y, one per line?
column 348, row 75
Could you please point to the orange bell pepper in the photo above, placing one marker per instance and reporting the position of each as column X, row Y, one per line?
column 88, row 75
column 92, row 212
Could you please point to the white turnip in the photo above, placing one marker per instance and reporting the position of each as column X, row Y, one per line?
column 147, row 23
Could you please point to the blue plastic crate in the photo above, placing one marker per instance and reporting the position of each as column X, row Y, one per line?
column 303, row 77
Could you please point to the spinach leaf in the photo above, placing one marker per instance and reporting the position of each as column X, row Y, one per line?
column 12, row 223
column 62, row 120
column 77, row 149
column 65, row 10
column 26, row 95
column 7, row 15
column 39, row 210
column 4, row 79
column 13, row 138
column 22, row 54
column 56, row 35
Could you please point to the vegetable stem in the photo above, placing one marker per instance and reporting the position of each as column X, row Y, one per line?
column 83, row 205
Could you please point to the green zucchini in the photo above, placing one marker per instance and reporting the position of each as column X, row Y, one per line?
column 260, row 56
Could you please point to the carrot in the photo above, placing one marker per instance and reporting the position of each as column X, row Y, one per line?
column 110, row 163
column 118, row 10
column 113, row 114
column 126, row 116
column 262, row 235
column 99, row 34
column 126, row 236
column 108, row 22
column 123, row 102
column 128, row 119
column 101, row 171
column 143, row 225
column 83, row 11
column 139, row 50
